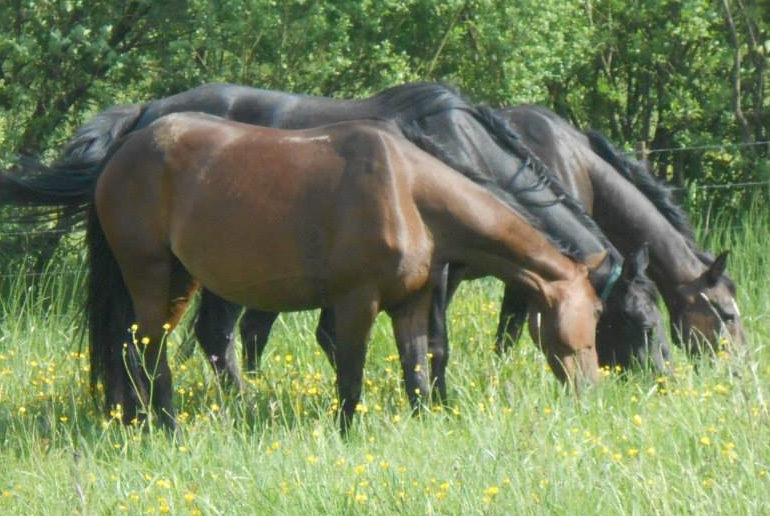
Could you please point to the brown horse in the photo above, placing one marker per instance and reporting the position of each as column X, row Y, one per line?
column 633, row 208
column 358, row 216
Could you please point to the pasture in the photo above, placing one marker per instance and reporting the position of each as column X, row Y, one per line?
column 510, row 442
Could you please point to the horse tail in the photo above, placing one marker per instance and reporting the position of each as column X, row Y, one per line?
column 65, row 188
column 51, row 194
column 92, row 141
column 658, row 193
column 109, row 314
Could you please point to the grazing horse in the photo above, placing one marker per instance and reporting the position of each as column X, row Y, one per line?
column 356, row 219
column 632, row 207
column 474, row 141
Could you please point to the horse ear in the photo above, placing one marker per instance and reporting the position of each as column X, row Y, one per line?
column 545, row 290
column 595, row 260
column 636, row 263
column 717, row 269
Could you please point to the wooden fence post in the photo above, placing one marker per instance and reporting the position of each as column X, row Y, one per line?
column 641, row 150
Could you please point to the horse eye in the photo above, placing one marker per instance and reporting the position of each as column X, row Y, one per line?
column 725, row 317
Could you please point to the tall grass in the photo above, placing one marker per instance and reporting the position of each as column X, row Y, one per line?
column 511, row 441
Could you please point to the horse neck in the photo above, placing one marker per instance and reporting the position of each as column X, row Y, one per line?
column 630, row 220
column 467, row 144
column 624, row 213
column 471, row 226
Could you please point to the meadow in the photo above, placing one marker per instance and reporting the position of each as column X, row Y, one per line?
column 511, row 441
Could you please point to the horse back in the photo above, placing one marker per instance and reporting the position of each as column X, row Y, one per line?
column 261, row 107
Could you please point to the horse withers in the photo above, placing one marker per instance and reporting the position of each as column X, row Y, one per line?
column 356, row 218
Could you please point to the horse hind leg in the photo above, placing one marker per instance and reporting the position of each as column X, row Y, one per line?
column 438, row 335
column 410, row 327
column 513, row 318
column 160, row 291
column 214, row 330
column 254, row 327
column 324, row 333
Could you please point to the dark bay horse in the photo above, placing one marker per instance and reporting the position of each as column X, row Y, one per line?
column 633, row 207
column 474, row 141
column 357, row 220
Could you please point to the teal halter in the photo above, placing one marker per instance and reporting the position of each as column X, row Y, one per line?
column 615, row 272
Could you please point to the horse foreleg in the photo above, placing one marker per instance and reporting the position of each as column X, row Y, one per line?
column 353, row 316
column 255, row 329
column 513, row 316
column 410, row 327
column 324, row 333
column 214, row 331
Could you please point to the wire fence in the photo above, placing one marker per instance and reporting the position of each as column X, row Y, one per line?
column 713, row 146
column 643, row 153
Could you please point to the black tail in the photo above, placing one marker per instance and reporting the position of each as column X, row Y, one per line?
column 659, row 194
column 53, row 193
column 65, row 188
column 93, row 140
column 110, row 314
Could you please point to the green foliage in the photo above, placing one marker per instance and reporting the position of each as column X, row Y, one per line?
column 686, row 74
column 57, row 57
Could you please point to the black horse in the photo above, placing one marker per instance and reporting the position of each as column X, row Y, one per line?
column 476, row 141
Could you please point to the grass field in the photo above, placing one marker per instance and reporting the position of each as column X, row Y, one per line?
column 511, row 441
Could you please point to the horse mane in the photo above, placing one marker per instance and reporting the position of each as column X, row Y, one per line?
column 410, row 103
column 658, row 192
column 507, row 136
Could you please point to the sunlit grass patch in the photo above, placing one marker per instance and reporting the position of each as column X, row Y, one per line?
column 511, row 440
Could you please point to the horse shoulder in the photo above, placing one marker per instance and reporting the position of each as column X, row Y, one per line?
column 382, row 175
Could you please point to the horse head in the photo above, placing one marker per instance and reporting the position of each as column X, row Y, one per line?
column 563, row 322
column 707, row 317
column 631, row 327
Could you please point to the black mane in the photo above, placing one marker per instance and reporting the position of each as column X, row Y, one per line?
column 409, row 104
column 658, row 192
column 509, row 139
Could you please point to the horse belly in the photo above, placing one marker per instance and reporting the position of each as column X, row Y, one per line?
column 260, row 264
column 266, row 284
